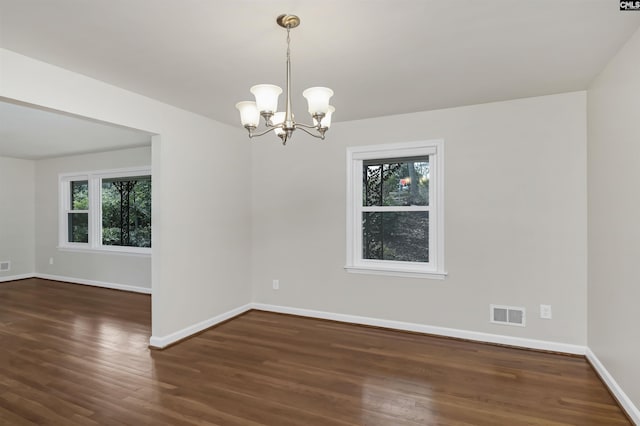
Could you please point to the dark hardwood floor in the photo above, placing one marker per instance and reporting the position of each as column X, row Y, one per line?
column 71, row 354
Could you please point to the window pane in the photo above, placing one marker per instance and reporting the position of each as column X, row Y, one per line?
column 79, row 195
column 401, row 236
column 399, row 182
column 126, row 211
column 78, row 227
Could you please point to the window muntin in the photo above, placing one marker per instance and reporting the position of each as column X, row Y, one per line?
column 395, row 209
column 106, row 210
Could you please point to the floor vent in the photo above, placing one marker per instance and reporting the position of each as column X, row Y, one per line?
column 507, row 315
column 5, row 266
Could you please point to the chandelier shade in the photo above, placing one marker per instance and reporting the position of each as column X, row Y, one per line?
column 318, row 99
column 249, row 114
column 266, row 97
column 266, row 102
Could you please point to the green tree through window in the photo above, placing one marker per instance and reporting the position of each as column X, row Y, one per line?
column 126, row 211
column 396, row 235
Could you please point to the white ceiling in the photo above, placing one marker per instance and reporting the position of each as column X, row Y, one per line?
column 381, row 57
column 30, row 133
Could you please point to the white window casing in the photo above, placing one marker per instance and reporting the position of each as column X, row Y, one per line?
column 356, row 156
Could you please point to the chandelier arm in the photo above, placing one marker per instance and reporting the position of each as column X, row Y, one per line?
column 308, row 126
column 255, row 135
column 320, row 136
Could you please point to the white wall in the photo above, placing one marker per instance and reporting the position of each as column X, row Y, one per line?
column 515, row 219
column 119, row 269
column 201, row 226
column 614, row 212
column 515, row 209
column 17, row 209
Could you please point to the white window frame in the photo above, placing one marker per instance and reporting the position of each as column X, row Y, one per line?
column 94, row 179
column 355, row 159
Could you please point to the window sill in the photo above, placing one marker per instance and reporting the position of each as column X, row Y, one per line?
column 395, row 272
column 118, row 251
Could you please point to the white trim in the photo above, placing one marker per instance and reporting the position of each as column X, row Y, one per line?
column 163, row 342
column 623, row 399
column 429, row 329
column 109, row 173
column 120, row 252
column 124, row 287
column 15, row 277
column 356, row 156
column 376, row 270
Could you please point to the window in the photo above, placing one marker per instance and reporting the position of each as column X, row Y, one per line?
column 106, row 210
column 395, row 203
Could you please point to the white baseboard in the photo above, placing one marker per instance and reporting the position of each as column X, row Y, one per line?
column 125, row 287
column 632, row 411
column 15, row 277
column 429, row 329
column 163, row 342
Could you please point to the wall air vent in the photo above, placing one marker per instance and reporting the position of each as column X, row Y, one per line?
column 507, row 315
column 5, row 266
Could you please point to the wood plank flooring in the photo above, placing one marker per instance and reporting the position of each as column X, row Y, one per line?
column 72, row 354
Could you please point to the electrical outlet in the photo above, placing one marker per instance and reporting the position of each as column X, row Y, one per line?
column 51, row 261
column 276, row 284
column 545, row 311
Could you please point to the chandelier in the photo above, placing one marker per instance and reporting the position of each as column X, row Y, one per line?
column 266, row 103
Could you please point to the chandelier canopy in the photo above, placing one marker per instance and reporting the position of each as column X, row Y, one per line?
column 266, row 103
